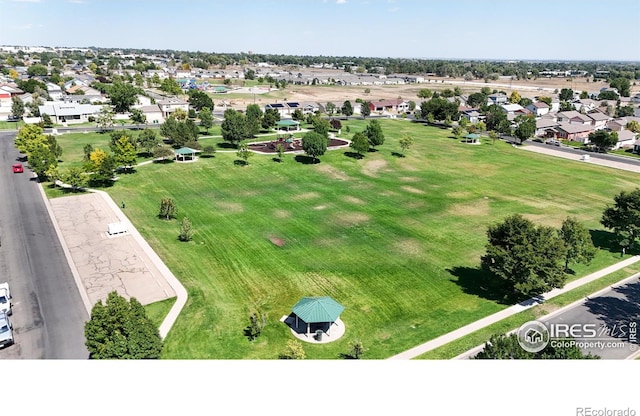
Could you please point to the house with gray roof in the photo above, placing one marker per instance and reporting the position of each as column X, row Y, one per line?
column 69, row 113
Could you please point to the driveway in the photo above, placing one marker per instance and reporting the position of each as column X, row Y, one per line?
column 106, row 263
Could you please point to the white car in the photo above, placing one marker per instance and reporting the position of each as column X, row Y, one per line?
column 6, row 331
column 5, row 298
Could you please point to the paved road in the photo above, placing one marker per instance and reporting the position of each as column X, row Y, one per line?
column 592, row 155
column 48, row 315
column 611, row 313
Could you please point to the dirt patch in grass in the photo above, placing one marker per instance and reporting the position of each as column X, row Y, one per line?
column 408, row 246
column 459, row 194
column 471, row 208
column 333, row 173
column 540, row 219
column 409, row 179
column 281, row 213
column 372, row 167
column 545, row 309
column 280, row 242
column 305, row 196
column 320, row 207
column 412, row 190
column 352, row 218
column 230, row 206
column 353, row 200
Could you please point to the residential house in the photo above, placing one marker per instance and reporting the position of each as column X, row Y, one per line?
column 538, row 108
column 574, row 132
column 281, row 108
column 546, row 127
column 497, row 99
column 152, row 112
column 170, row 105
column 585, row 105
column 626, row 139
column 69, row 113
column 472, row 115
column 5, row 104
column 395, row 106
column 573, row 117
column 309, row 107
column 83, row 94
column 599, row 119
column 55, row 92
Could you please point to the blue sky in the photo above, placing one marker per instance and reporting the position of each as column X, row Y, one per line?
column 480, row 29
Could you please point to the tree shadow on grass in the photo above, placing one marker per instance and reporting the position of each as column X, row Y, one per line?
column 239, row 162
column 607, row 240
column 475, row 281
column 396, row 154
column 276, row 159
column 353, row 155
column 163, row 161
column 226, row 145
column 344, row 356
column 306, row 160
column 207, row 156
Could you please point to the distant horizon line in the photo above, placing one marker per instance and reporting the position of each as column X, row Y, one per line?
column 603, row 60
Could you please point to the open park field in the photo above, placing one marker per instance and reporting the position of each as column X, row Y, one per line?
column 396, row 240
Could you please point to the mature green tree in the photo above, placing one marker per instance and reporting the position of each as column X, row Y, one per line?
column 101, row 165
column 506, row 347
column 314, row 144
column 122, row 96
column 623, row 85
column 608, row 95
column 124, row 152
column 335, row 124
column 234, row 127
column 476, row 100
column 244, row 153
column 75, row 177
column 347, row 108
column 46, row 121
column 253, row 116
column 515, row 97
column 206, row 118
column 577, row 240
column 297, row 115
column 425, row 94
column 440, row 108
column 37, row 70
column 528, row 259
column 105, row 117
column 270, row 118
column 138, row 117
column 179, row 132
column 199, row 100
column 633, row 126
column 54, row 146
column 17, row 107
column 365, row 109
column 330, row 108
column 546, row 100
column 170, row 86
column 30, row 85
column 374, row 133
column 624, row 218
column 41, row 159
column 147, row 140
column 120, row 329
column 29, row 137
column 359, row 143
column 457, row 132
column 526, row 127
column 625, row 111
column 566, row 94
column 525, row 101
column 603, row 140
column 497, row 119
column 405, row 142
column 321, row 126
column 163, row 152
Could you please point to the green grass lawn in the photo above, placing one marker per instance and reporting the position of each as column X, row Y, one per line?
column 396, row 240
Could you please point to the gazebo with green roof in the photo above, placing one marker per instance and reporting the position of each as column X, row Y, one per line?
column 186, row 151
column 287, row 125
column 317, row 310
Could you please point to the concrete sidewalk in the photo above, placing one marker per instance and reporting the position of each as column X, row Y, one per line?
column 510, row 311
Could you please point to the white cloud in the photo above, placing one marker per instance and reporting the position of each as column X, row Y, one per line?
column 76, row 1
column 341, row 1
column 26, row 1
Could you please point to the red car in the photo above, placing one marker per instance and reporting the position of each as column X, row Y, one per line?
column 17, row 168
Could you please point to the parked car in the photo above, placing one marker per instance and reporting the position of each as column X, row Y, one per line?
column 5, row 298
column 6, row 331
column 17, row 168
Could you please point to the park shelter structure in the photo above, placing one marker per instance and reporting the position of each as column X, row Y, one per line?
column 186, row 152
column 317, row 310
column 472, row 138
column 288, row 125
